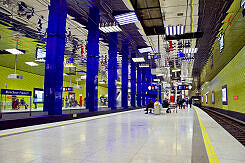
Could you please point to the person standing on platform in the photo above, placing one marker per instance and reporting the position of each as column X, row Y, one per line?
column 187, row 102
column 184, row 103
column 149, row 105
column 190, row 102
column 157, row 106
column 179, row 102
column 35, row 103
column 67, row 102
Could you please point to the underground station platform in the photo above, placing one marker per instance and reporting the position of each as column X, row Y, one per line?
column 131, row 81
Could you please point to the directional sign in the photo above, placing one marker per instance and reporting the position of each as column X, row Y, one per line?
column 184, row 87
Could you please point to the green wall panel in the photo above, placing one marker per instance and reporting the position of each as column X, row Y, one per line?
column 233, row 75
column 234, row 39
column 31, row 81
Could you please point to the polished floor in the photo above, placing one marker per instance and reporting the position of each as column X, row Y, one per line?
column 122, row 137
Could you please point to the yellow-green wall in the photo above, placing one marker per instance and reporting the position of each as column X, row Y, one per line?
column 234, row 40
column 233, row 75
column 228, row 65
column 31, row 81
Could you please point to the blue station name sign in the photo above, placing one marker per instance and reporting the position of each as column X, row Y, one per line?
column 16, row 92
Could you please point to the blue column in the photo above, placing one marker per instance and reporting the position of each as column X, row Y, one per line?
column 53, row 80
column 125, row 74
column 148, row 82
column 112, row 71
column 92, row 60
column 139, row 75
column 133, row 80
column 143, row 86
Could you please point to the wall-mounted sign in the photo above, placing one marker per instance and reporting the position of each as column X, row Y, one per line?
column 221, row 42
column 224, row 95
column 213, row 98
column 235, row 97
column 188, row 58
column 243, row 6
column 184, row 87
column 15, row 92
column 66, row 89
column 40, row 54
column 206, row 98
column 243, row 3
column 38, row 95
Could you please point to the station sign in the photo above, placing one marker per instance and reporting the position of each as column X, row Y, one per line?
column 221, row 42
column 243, row 6
column 184, row 87
column 153, row 88
column 67, row 89
column 235, row 97
column 16, row 92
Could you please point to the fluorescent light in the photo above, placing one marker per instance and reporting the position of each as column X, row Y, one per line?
column 109, row 28
column 145, row 50
column 190, row 50
column 40, row 60
column 178, row 30
column 160, row 74
column 31, row 63
column 126, row 18
column 167, row 31
column 138, row 59
column 144, row 65
column 156, row 80
column 175, row 70
column 64, row 74
column 83, row 77
column 182, row 30
column 105, row 30
column 14, row 51
column 171, row 30
column 69, row 65
column 101, row 82
column 174, row 30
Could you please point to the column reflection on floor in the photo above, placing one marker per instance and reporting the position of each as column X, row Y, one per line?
column 128, row 137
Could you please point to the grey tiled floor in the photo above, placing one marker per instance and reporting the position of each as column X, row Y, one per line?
column 128, row 137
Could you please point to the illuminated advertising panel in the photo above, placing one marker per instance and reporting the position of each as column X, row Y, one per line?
column 224, row 95
column 213, row 98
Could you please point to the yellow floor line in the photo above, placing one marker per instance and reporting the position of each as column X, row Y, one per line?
column 209, row 148
column 66, row 123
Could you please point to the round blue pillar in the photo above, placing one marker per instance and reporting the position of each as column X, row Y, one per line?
column 133, row 80
column 55, row 48
column 139, row 87
column 148, row 83
column 125, row 74
column 112, row 71
column 92, row 60
column 143, row 86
